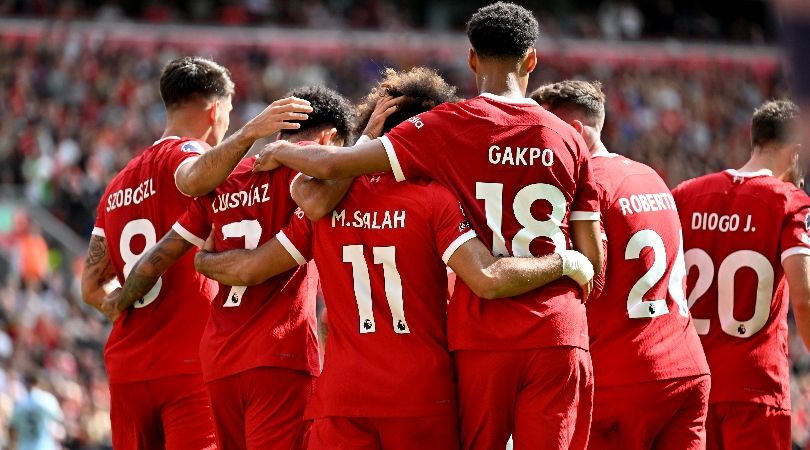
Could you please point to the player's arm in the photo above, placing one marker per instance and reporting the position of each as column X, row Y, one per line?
column 211, row 168
column 98, row 271
column 146, row 272
column 325, row 162
column 317, row 198
column 245, row 267
column 587, row 239
column 797, row 271
column 490, row 277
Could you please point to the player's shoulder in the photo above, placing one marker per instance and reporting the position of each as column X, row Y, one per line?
column 702, row 183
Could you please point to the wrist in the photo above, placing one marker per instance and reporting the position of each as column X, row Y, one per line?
column 576, row 266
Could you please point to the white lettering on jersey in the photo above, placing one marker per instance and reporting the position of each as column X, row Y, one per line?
column 642, row 203
column 131, row 196
column 417, row 122
column 229, row 200
column 720, row 222
column 520, row 156
column 376, row 220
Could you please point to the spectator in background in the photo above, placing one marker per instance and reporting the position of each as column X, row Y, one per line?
column 32, row 251
column 35, row 418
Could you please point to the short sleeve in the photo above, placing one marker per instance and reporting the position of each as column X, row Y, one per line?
column 185, row 152
column 795, row 239
column 586, row 198
column 410, row 145
column 451, row 229
column 98, row 228
column 194, row 225
column 296, row 237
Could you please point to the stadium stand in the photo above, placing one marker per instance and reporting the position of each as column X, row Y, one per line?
column 79, row 99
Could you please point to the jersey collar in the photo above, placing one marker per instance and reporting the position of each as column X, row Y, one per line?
column 758, row 173
column 167, row 138
column 513, row 101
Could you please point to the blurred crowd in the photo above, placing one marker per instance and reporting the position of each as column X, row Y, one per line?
column 76, row 110
column 600, row 19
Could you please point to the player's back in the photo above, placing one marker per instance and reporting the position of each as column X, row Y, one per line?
column 639, row 323
column 269, row 324
column 738, row 228
column 521, row 173
column 380, row 255
column 159, row 336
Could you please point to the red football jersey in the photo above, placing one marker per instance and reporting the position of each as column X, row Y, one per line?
column 160, row 335
column 521, row 174
column 380, row 255
column 270, row 324
column 639, row 323
column 738, row 228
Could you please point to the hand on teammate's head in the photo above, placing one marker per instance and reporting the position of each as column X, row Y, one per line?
column 385, row 107
column 279, row 116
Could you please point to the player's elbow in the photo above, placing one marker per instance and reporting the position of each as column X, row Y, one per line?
column 191, row 186
column 315, row 210
column 486, row 286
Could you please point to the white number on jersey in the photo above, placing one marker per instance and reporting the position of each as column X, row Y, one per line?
column 637, row 307
column 139, row 227
column 386, row 256
column 251, row 230
column 725, row 290
column 492, row 195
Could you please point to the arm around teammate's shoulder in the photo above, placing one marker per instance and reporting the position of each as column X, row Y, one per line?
column 490, row 277
column 587, row 238
column 325, row 162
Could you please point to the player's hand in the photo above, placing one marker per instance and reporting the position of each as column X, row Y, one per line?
column 264, row 160
column 579, row 268
column 109, row 307
column 277, row 117
column 385, row 107
column 209, row 243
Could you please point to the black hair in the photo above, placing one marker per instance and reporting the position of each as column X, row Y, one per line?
column 423, row 89
column 191, row 78
column 329, row 109
column 502, row 30
column 772, row 122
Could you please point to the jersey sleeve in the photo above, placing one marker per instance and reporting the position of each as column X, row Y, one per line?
column 586, row 199
column 795, row 239
column 194, row 225
column 296, row 237
column 185, row 153
column 451, row 229
column 410, row 145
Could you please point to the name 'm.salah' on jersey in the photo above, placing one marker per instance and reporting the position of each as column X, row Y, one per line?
column 381, row 256
column 638, row 319
column 522, row 174
column 270, row 324
column 738, row 229
column 160, row 335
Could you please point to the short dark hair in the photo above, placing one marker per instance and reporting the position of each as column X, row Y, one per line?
column 772, row 122
column 502, row 30
column 423, row 89
column 329, row 109
column 586, row 98
column 191, row 78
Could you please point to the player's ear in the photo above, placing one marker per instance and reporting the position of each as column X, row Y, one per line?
column 325, row 137
column 472, row 60
column 529, row 61
column 212, row 112
column 578, row 126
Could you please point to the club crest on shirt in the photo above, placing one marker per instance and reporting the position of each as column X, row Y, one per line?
column 465, row 225
column 192, row 147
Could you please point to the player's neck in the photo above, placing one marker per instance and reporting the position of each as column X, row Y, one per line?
column 185, row 126
column 598, row 149
column 765, row 161
column 502, row 81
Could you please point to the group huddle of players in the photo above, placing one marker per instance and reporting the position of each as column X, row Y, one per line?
column 568, row 326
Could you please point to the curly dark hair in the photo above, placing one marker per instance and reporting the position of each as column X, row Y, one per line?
column 772, row 122
column 585, row 98
column 191, row 78
column 329, row 109
column 502, row 30
column 423, row 88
